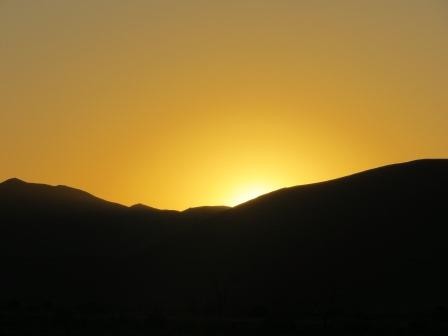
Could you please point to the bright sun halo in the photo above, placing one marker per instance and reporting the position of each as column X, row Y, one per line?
column 248, row 193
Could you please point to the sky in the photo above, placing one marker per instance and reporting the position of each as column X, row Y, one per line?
column 182, row 103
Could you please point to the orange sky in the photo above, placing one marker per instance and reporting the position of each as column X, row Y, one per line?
column 179, row 103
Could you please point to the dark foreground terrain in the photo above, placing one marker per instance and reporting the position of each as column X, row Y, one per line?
column 361, row 255
column 46, row 320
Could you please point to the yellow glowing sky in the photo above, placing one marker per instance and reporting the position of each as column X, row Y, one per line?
column 179, row 103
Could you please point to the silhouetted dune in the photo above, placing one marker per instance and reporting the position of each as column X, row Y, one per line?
column 372, row 241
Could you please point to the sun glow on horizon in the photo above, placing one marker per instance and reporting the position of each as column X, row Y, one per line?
column 250, row 192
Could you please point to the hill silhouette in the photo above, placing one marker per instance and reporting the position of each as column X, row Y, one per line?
column 372, row 241
column 16, row 192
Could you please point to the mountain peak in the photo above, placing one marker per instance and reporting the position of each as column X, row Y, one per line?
column 140, row 206
column 207, row 208
column 13, row 180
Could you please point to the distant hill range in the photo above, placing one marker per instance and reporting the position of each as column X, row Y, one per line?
column 376, row 240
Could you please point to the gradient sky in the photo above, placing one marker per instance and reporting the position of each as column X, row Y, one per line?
column 179, row 103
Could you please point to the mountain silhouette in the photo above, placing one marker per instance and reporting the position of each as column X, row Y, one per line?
column 15, row 192
column 372, row 241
